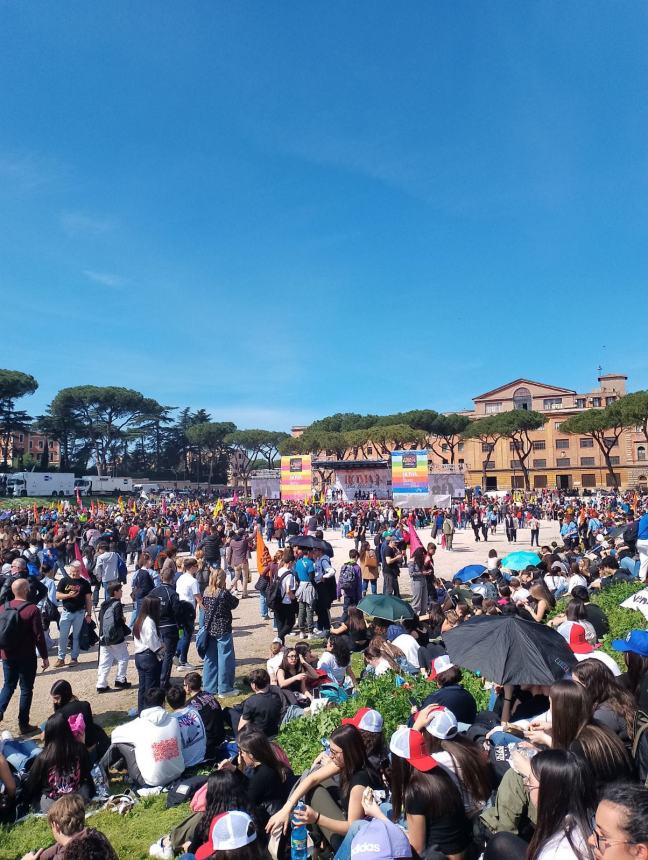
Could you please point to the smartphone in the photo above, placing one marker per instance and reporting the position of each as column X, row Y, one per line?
column 325, row 743
column 415, row 703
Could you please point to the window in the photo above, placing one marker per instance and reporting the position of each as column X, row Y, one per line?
column 539, row 481
column 587, row 461
column 40, row 445
column 489, row 464
column 539, row 464
column 461, row 461
column 563, row 462
column 641, row 452
column 611, row 442
column 596, row 401
column 587, row 442
column 609, row 400
column 487, row 447
column 522, row 399
column 30, row 444
column 460, row 447
column 580, row 403
column 557, row 424
column 515, row 464
column 493, row 406
column 21, row 438
column 562, row 443
column 552, row 403
column 369, row 451
column 615, row 460
column 539, row 445
column 445, row 447
column 517, row 482
column 588, row 480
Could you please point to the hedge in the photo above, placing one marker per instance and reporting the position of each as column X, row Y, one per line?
column 301, row 738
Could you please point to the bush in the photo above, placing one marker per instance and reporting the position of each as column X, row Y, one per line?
column 301, row 738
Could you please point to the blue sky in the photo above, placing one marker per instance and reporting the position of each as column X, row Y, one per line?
column 276, row 211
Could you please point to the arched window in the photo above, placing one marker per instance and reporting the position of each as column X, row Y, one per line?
column 641, row 452
column 522, row 399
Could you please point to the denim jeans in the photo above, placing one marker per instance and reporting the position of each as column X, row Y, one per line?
column 263, row 606
column 369, row 582
column 220, row 664
column 169, row 635
column 148, row 671
column 70, row 621
column 23, row 671
column 182, row 651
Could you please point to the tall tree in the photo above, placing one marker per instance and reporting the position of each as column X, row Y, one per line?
column 13, row 385
column 270, row 448
column 516, row 426
column 394, row 437
column 447, row 429
column 634, row 409
column 604, row 426
column 210, row 436
column 486, row 431
column 247, row 446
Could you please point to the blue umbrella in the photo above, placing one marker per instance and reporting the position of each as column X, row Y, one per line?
column 469, row 572
column 520, row 559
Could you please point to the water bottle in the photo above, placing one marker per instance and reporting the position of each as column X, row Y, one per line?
column 100, row 781
column 298, row 835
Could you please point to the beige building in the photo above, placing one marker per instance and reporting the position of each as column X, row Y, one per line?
column 25, row 442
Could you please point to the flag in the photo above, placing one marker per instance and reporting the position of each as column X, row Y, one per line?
column 262, row 552
column 235, row 498
column 120, row 502
column 218, row 507
column 35, row 512
column 60, row 508
column 414, row 540
column 79, row 558
column 164, row 505
column 133, row 506
column 78, row 498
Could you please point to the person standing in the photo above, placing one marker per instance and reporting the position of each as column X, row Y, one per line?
column 112, row 640
column 106, row 569
column 642, row 546
column 448, row 530
column 18, row 653
column 476, row 522
column 237, row 557
column 75, row 596
column 510, row 524
column 392, row 558
column 148, row 648
column 534, row 524
column 188, row 590
column 325, row 588
column 369, row 568
column 220, row 659
column 419, row 579
column 286, row 609
column 211, row 545
column 168, row 622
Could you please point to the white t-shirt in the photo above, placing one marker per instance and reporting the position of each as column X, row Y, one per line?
column 520, row 593
column 187, row 588
column 289, row 583
column 330, row 665
column 558, row 847
column 382, row 668
column 574, row 580
column 554, row 581
column 193, row 735
column 409, row 646
column 272, row 664
column 608, row 661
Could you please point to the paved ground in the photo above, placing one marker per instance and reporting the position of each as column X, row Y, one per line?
column 252, row 636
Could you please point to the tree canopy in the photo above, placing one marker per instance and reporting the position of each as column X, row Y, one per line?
column 14, row 384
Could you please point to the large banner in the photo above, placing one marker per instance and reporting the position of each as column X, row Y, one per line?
column 296, row 478
column 354, row 484
column 410, row 487
column 445, row 486
column 265, row 485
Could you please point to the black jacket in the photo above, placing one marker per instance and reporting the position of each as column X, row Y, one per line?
column 169, row 604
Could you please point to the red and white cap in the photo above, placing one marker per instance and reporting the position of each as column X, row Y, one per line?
column 409, row 744
column 576, row 637
column 442, row 723
column 440, row 664
column 366, row 719
column 228, row 831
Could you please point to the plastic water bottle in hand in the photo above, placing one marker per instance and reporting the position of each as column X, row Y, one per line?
column 298, row 835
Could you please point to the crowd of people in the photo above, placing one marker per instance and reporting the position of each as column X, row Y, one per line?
column 548, row 771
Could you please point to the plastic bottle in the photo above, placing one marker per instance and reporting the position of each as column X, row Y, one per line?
column 298, row 835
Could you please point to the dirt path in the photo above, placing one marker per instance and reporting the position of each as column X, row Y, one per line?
column 252, row 636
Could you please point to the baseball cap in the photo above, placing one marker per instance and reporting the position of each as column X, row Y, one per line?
column 410, row 745
column 442, row 724
column 574, row 633
column 228, row 831
column 440, row 664
column 380, row 840
column 366, row 719
column 636, row 641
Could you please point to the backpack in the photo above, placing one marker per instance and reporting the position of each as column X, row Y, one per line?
column 273, row 593
column 122, row 570
column 142, row 583
column 10, row 626
column 347, row 577
column 640, row 746
column 631, row 533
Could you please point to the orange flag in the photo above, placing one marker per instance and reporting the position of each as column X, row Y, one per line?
column 35, row 512
column 262, row 552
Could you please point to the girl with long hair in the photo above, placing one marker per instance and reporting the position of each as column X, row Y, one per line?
column 355, row 629
column 220, row 659
column 65, row 702
column 613, row 706
column 540, row 602
column 294, row 673
column 63, row 767
column 148, row 648
column 336, row 661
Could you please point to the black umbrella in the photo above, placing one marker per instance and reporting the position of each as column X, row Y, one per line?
column 507, row 649
column 310, row 542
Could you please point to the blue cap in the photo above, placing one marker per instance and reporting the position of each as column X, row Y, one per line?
column 636, row 641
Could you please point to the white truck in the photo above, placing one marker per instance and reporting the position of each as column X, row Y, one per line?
column 100, row 485
column 40, row 484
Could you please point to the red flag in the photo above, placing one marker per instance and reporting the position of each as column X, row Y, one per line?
column 235, row 498
column 79, row 558
column 78, row 498
column 414, row 540
column 164, row 505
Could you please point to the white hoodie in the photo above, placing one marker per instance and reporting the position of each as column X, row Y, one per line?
column 155, row 734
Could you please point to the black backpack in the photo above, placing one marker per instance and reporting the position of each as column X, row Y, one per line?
column 273, row 593
column 640, row 746
column 10, row 626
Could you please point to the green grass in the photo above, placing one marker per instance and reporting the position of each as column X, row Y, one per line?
column 130, row 834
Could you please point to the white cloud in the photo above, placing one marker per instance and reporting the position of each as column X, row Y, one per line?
column 82, row 224
column 106, row 279
column 26, row 172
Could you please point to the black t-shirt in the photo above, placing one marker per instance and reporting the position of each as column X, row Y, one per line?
column 211, row 714
column 451, row 834
column 597, row 618
column 455, row 699
column 263, row 711
column 266, row 790
column 391, row 565
column 94, row 734
column 77, row 589
column 364, row 778
column 169, row 601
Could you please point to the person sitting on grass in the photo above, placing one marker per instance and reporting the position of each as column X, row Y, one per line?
column 192, row 728
column 262, row 709
column 210, row 712
column 355, row 628
column 66, row 818
column 336, row 661
column 149, row 746
column 63, row 767
column 294, row 674
column 66, row 703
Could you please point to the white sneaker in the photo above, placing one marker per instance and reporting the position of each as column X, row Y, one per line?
column 162, row 852
column 318, row 632
column 186, row 666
